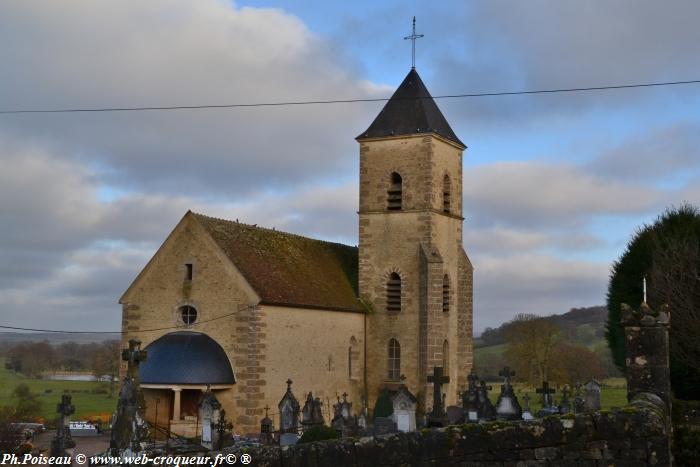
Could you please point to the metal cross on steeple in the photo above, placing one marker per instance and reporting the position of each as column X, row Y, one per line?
column 413, row 38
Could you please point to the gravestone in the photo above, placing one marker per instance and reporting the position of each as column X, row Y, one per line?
column 311, row 414
column 547, row 394
column 438, row 416
column 63, row 440
column 507, row 406
column 565, row 403
column 579, row 401
column 383, row 426
column 343, row 420
column 129, row 428
column 455, row 415
column 289, row 411
column 527, row 414
column 222, row 426
column 209, row 407
column 404, row 405
column 592, row 390
column 266, row 428
column 470, row 398
column 289, row 439
column 362, row 419
column 486, row 409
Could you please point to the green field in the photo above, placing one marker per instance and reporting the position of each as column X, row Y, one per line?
column 613, row 394
column 88, row 404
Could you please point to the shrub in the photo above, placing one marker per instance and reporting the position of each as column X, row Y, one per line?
column 318, row 433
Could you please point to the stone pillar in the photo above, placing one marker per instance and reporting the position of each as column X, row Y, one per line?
column 176, row 403
column 647, row 352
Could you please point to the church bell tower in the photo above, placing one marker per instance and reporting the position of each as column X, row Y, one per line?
column 414, row 274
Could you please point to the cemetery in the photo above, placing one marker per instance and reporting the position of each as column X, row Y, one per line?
column 570, row 425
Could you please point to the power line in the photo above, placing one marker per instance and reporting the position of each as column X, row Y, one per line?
column 15, row 328
column 340, row 101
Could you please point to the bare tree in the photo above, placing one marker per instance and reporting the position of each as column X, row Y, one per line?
column 531, row 340
column 105, row 362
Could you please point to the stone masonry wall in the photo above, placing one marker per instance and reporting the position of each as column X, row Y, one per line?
column 634, row 436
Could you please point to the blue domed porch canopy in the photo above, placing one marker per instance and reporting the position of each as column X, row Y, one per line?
column 186, row 357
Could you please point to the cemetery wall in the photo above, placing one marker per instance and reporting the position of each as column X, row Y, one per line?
column 633, row 436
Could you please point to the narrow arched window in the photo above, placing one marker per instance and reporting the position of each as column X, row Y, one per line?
column 394, row 360
column 446, row 357
column 353, row 358
column 446, row 293
column 393, row 293
column 446, row 193
column 395, row 192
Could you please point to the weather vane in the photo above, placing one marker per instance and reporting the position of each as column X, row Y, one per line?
column 413, row 38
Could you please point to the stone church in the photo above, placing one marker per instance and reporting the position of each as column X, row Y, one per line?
column 241, row 308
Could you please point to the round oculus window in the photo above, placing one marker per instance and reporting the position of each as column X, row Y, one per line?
column 188, row 314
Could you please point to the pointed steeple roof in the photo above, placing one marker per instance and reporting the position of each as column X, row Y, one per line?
column 411, row 110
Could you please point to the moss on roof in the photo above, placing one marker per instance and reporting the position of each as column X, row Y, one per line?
column 288, row 269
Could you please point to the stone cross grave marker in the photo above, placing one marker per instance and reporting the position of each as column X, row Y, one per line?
column 486, row 409
column 63, row 439
column 222, row 426
column 266, row 427
column 470, row 398
column 437, row 416
column 134, row 356
column 129, row 429
column 547, row 394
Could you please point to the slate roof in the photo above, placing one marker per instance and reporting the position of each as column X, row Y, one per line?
column 411, row 110
column 185, row 357
column 287, row 269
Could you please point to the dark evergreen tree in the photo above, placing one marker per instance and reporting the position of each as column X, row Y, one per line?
column 667, row 253
column 383, row 407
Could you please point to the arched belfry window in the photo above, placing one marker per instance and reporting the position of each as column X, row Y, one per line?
column 446, row 293
column 395, row 193
column 393, row 293
column 446, row 193
column 394, row 360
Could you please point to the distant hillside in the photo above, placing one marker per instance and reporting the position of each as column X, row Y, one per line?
column 53, row 337
column 579, row 324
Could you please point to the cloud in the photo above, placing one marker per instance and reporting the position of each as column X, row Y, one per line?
column 660, row 154
column 515, row 45
column 533, row 283
column 545, row 194
column 132, row 53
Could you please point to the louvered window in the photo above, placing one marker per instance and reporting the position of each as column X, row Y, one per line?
column 446, row 194
column 393, row 293
column 394, row 194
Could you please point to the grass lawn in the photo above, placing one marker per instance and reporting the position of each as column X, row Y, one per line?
column 88, row 404
column 613, row 394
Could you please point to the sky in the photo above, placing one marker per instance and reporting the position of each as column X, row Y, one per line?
column 554, row 185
